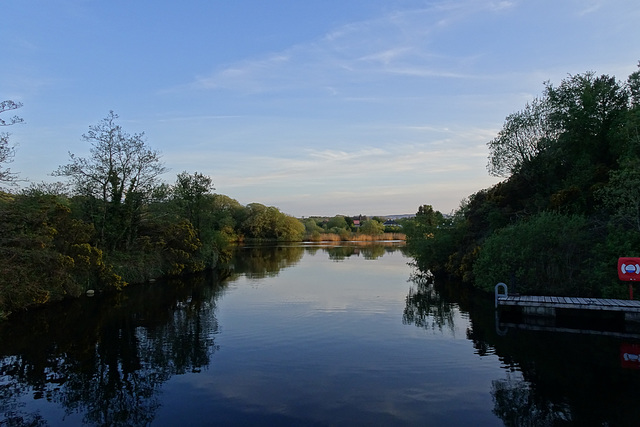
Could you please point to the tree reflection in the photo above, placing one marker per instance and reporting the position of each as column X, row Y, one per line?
column 104, row 360
column 368, row 250
column 425, row 307
column 373, row 252
column 340, row 253
column 257, row 262
column 553, row 378
column 108, row 365
column 517, row 406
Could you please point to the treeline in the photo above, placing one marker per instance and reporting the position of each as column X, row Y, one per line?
column 113, row 222
column 117, row 223
column 346, row 228
column 568, row 207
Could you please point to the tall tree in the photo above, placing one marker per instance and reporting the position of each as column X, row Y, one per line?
column 372, row 227
column 621, row 194
column 119, row 174
column 337, row 223
column 7, row 151
column 190, row 192
column 524, row 135
column 585, row 109
column 589, row 112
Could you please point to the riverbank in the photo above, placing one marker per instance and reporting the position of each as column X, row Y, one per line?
column 354, row 237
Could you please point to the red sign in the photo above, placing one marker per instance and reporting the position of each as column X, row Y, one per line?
column 629, row 269
column 630, row 356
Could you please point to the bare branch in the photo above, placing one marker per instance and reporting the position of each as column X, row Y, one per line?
column 7, row 151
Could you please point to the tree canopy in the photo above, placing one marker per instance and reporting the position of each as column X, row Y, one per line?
column 568, row 206
column 524, row 135
column 119, row 174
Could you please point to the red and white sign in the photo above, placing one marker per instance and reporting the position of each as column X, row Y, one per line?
column 630, row 356
column 629, row 269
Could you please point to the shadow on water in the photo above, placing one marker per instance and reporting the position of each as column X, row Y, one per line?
column 552, row 378
column 103, row 360
column 106, row 358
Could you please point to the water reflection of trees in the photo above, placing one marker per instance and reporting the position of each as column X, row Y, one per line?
column 257, row 262
column 425, row 306
column 569, row 377
column 517, row 405
column 367, row 250
column 552, row 378
column 106, row 358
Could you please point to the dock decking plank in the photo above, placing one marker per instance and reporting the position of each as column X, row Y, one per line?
column 571, row 302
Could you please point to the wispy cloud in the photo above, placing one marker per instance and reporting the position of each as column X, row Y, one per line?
column 501, row 5
column 370, row 167
column 589, row 7
column 400, row 43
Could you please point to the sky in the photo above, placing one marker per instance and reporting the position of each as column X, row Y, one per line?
column 332, row 107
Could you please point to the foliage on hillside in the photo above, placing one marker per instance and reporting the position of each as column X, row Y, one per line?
column 569, row 205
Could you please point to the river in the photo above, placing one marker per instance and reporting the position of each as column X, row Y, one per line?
column 306, row 335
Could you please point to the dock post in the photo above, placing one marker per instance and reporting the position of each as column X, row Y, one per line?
column 501, row 295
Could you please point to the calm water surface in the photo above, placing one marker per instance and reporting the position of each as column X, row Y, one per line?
column 305, row 335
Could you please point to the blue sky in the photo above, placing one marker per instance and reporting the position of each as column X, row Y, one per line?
column 316, row 107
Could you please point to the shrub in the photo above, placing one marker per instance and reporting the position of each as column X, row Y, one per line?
column 544, row 254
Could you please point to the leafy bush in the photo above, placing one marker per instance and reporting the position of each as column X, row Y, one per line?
column 545, row 254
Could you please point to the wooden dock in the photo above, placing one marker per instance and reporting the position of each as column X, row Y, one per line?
column 614, row 317
column 570, row 303
column 573, row 303
column 533, row 305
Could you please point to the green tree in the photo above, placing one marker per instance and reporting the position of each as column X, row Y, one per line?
column 311, row 226
column 424, row 224
column 588, row 112
column 427, row 217
column 372, row 227
column 583, row 110
column 268, row 223
column 190, row 192
column 46, row 254
column 621, row 195
column 569, row 206
column 545, row 254
column 181, row 246
column 337, row 223
column 290, row 229
column 227, row 215
column 117, row 178
column 435, row 241
column 524, row 135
